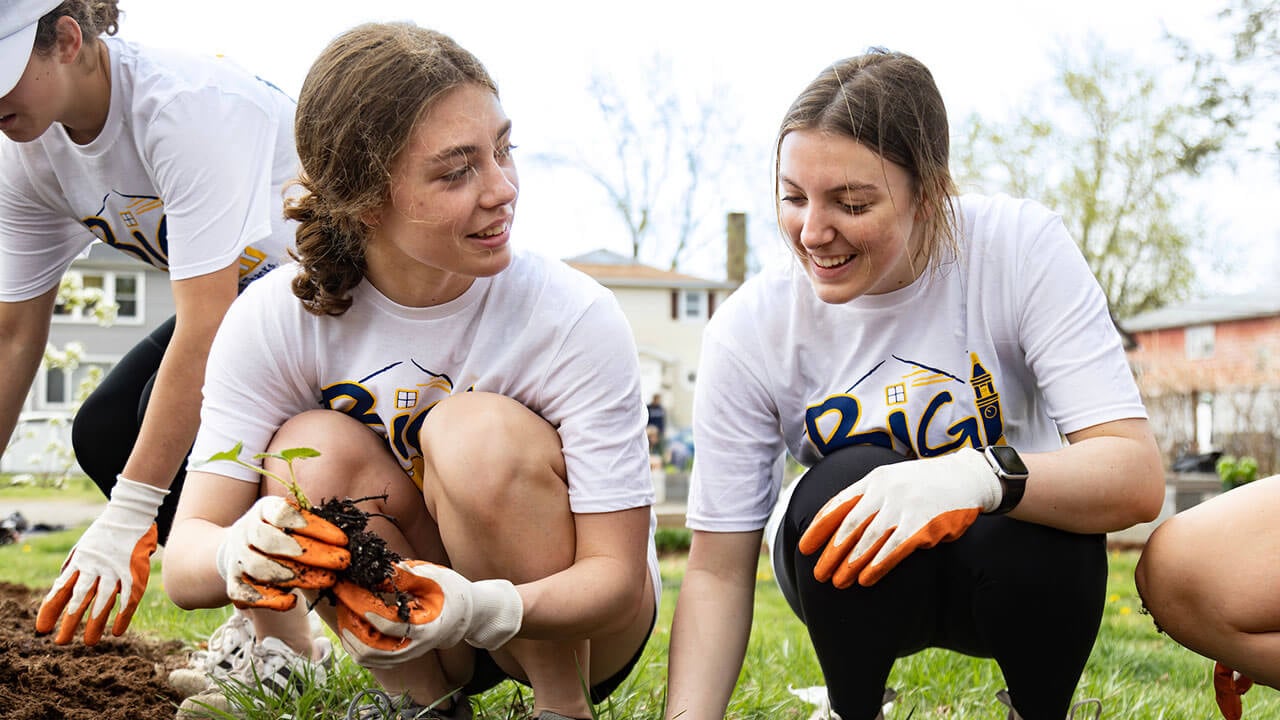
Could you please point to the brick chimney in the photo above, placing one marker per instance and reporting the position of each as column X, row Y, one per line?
column 736, row 248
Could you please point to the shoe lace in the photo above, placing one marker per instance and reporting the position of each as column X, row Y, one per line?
column 225, row 653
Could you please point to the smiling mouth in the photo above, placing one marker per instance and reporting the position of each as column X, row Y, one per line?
column 834, row 261
column 492, row 232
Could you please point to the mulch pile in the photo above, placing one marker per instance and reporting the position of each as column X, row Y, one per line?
column 124, row 678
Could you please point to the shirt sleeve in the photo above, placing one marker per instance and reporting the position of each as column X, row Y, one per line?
column 37, row 243
column 737, row 440
column 255, row 379
column 592, row 396
column 210, row 155
column 1072, row 345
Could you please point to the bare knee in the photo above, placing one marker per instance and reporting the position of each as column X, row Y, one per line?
column 485, row 451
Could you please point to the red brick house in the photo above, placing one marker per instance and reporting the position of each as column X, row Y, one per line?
column 1209, row 371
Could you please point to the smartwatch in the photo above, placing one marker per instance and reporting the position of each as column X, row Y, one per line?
column 1012, row 473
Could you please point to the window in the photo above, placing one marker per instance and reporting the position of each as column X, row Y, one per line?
column 62, row 387
column 1199, row 339
column 122, row 288
column 693, row 305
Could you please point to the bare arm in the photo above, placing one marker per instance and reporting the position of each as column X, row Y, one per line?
column 611, row 559
column 24, row 327
column 1109, row 478
column 173, row 412
column 209, row 504
column 712, row 624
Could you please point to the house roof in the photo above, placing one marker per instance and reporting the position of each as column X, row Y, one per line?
column 1222, row 308
column 612, row 269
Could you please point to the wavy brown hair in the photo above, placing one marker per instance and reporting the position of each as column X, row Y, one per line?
column 357, row 109
column 95, row 17
column 888, row 102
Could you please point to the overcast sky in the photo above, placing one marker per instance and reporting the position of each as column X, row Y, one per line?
column 985, row 54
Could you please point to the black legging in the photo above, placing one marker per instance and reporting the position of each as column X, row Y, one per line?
column 106, row 426
column 1027, row 595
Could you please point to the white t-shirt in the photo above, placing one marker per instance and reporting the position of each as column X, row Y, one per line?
column 1013, row 341
column 539, row 332
column 186, row 175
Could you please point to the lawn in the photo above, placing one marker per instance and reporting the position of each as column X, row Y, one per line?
column 1138, row 673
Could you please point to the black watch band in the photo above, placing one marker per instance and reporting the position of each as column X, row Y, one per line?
column 1012, row 473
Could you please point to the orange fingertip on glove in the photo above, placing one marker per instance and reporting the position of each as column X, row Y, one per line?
column 317, row 553
column 318, row 528
column 1228, row 686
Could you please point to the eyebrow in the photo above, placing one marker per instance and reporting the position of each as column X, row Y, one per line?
column 447, row 155
column 847, row 187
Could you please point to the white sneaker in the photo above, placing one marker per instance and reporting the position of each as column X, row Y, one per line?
column 1084, row 708
column 233, row 655
column 269, row 665
column 224, row 653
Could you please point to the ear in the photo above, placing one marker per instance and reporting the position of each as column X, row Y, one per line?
column 70, row 40
column 371, row 217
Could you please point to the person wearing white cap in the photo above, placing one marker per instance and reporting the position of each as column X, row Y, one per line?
column 181, row 162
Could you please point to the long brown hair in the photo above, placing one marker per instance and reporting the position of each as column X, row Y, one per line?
column 357, row 109
column 888, row 102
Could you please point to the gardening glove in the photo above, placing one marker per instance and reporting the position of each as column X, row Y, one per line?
column 441, row 609
column 276, row 547
column 1228, row 686
column 112, row 559
column 870, row 526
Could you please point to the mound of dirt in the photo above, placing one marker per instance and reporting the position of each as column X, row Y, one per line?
column 122, row 678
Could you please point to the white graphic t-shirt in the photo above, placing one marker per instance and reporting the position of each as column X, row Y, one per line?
column 1011, row 343
column 187, row 175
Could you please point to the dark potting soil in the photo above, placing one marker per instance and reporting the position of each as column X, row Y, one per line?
column 120, row 678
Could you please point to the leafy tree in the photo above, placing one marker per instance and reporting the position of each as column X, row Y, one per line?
column 1238, row 86
column 1107, row 150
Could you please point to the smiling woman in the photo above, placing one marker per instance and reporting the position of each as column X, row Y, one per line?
column 485, row 399
column 923, row 357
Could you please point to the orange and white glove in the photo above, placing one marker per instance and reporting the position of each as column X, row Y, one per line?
column 442, row 608
column 1228, row 686
column 276, row 547
column 870, row 526
column 112, row 559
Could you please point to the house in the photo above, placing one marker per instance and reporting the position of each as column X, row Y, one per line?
column 1209, row 372
column 667, row 311
column 144, row 299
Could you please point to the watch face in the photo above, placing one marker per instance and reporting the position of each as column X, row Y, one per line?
column 1009, row 460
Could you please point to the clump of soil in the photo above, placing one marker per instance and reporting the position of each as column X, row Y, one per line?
column 372, row 562
column 120, row 678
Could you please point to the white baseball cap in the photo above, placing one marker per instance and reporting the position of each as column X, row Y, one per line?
column 18, row 19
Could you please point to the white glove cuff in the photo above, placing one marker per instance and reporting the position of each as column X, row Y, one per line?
column 497, row 614
column 991, row 492
column 134, row 502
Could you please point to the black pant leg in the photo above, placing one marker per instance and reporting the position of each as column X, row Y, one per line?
column 106, row 426
column 1027, row 595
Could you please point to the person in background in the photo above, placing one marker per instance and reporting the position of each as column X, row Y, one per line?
column 658, row 422
column 1208, row 576
column 177, row 161
column 946, row 368
column 483, row 400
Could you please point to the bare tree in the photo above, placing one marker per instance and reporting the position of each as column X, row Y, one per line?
column 667, row 154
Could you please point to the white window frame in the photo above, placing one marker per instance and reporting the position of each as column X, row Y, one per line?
column 1199, row 341
column 40, row 399
column 110, row 279
column 700, row 312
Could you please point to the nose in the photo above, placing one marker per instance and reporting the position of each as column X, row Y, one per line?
column 815, row 231
column 501, row 184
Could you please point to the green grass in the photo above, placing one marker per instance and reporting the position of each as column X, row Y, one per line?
column 1138, row 673
column 76, row 489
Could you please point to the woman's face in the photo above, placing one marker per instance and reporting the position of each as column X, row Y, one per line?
column 453, row 197
column 32, row 105
column 850, row 216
